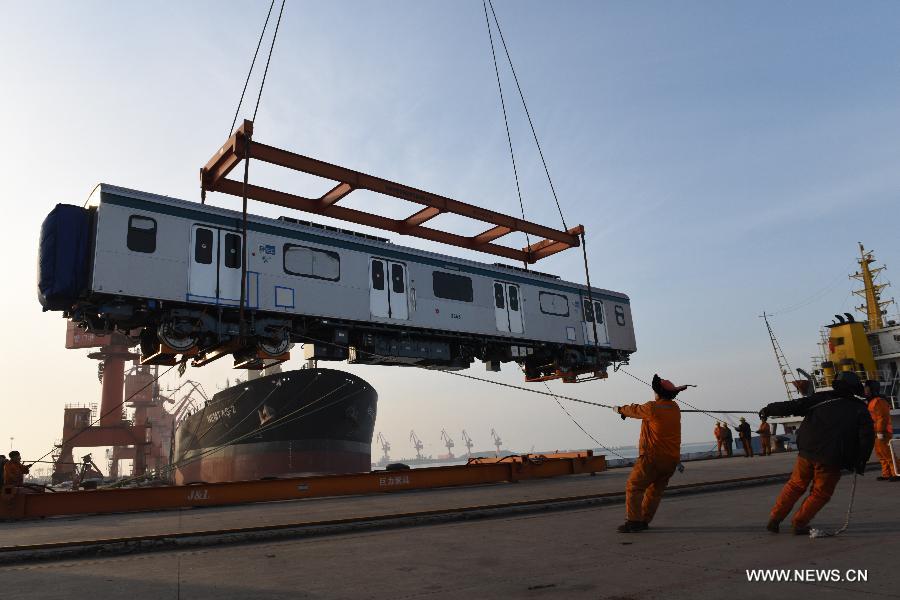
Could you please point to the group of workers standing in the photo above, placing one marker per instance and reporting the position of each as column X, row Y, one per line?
column 840, row 429
column 725, row 440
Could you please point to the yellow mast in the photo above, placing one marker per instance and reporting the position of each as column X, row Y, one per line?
column 871, row 291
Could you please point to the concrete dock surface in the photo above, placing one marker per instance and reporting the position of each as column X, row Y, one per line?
column 700, row 545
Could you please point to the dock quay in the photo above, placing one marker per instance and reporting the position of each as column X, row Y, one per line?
column 542, row 538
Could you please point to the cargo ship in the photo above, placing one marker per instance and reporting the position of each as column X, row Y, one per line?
column 302, row 422
column 870, row 348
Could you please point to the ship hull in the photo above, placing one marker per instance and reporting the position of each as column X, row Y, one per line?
column 310, row 421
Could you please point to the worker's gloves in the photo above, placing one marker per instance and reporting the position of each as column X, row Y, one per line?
column 880, row 436
column 618, row 411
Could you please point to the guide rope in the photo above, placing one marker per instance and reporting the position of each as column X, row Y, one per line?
column 819, row 533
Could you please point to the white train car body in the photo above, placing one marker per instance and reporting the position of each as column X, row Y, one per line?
column 173, row 269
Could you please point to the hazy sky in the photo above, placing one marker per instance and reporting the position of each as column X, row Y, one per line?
column 724, row 157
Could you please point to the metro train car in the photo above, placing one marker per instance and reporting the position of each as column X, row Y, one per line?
column 168, row 273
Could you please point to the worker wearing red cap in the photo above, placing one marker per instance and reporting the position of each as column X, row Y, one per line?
column 660, row 452
column 884, row 431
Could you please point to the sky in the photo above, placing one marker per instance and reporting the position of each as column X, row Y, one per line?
column 724, row 157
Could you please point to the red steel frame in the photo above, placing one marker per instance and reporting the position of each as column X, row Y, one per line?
column 213, row 177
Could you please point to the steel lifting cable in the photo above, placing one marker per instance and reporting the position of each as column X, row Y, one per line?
column 512, row 155
column 247, row 143
column 110, row 411
column 527, row 114
column 252, row 64
column 268, row 59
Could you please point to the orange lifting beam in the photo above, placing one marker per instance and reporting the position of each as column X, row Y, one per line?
column 213, row 178
column 15, row 503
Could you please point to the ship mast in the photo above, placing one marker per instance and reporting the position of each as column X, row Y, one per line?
column 783, row 365
column 874, row 306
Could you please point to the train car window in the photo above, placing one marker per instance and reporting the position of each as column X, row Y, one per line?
column 588, row 311
column 312, row 262
column 141, row 234
column 513, row 298
column 377, row 275
column 397, row 278
column 233, row 251
column 452, row 287
column 499, row 302
column 203, row 243
column 554, row 304
column 599, row 312
column 620, row 315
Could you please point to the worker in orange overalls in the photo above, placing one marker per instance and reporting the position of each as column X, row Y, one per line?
column 884, row 431
column 836, row 434
column 719, row 437
column 14, row 471
column 660, row 453
column 765, row 437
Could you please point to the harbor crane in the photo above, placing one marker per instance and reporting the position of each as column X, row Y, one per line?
column 497, row 441
column 467, row 440
column 417, row 443
column 447, row 442
column 385, row 447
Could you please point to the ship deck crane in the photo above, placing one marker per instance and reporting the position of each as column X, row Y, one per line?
column 467, row 440
column 417, row 443
column 385, row 446
column 448, row 442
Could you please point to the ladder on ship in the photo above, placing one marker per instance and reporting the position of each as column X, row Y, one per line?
column 783, row 366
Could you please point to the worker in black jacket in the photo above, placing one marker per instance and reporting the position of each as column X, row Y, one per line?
column 745, row 433
column 836, row 433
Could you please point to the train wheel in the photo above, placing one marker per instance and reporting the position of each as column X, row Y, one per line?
column 171, row 337
column 275, row 348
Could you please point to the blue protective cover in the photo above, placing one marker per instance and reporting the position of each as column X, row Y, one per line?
column 63, row 265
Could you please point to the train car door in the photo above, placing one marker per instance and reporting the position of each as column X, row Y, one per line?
column 203, row 272
column 230, row 257
column 588, row 323
column 215, row 269
column 508, row 307
column 388, row 295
